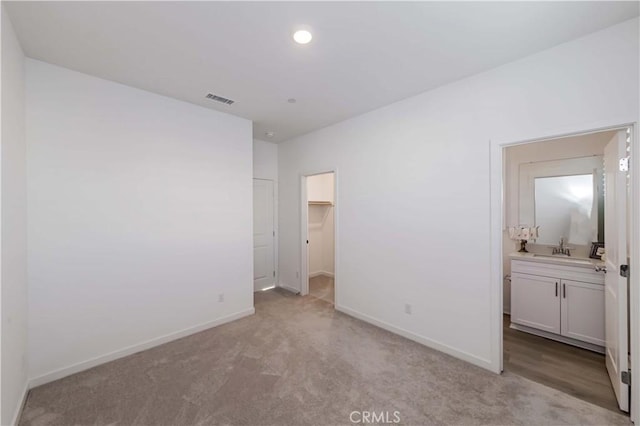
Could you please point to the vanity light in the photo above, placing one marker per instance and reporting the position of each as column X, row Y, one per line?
column 523, row 233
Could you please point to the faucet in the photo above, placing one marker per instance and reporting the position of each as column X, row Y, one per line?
column 561, row 249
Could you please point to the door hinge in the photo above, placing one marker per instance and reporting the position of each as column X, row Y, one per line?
column 624, row 271
column 624, row 164
column 625, row 377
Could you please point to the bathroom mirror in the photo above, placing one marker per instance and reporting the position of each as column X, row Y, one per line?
column 565, row 199
column 565, row 207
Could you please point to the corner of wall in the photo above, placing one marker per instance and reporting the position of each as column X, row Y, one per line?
column 13, row 231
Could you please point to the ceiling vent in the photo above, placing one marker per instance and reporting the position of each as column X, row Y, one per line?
column 219, row 99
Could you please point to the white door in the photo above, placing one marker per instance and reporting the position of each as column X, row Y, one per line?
column 615, row 242
column 264, row 272
column 582, row 311
column 535, row 302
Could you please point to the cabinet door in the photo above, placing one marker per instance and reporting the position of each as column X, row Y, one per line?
column 535, row 302
column 582, row 310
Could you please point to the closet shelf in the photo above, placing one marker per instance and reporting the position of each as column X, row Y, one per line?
column 320, row 203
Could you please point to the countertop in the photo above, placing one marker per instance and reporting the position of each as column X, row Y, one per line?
column 557, row 260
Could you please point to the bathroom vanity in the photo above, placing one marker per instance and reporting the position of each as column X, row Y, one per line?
column 560, row 298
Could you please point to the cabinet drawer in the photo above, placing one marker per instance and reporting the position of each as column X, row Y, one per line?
column 573, row 273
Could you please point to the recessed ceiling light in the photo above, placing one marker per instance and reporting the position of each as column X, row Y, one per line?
column 269, row 134
column 291, row 100
column 302, row 36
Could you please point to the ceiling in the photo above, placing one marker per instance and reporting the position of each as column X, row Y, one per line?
column 363, row 55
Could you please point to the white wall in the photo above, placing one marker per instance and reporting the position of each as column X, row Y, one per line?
column 265, row 160
column 328, row 243
column 414, row 183
column 557, row 149
column 139, row 218
column 321, row 225
column 13, row 366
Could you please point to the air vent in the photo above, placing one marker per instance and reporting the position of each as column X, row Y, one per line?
column 219, row 99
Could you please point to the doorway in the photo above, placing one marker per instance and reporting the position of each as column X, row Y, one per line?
column 319, row 236
column 264, row 253
column 565, row 242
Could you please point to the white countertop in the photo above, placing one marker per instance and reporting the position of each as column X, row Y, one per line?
column 557, row 260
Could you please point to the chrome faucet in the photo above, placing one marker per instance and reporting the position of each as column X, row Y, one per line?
column 561, row 249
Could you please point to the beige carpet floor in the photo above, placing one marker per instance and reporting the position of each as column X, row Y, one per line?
column 299, row 362
column 322, row 287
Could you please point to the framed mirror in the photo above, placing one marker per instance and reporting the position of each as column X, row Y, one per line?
column 565, row 199
column 564, row 208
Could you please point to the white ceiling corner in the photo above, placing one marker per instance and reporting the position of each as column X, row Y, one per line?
column 364, row 55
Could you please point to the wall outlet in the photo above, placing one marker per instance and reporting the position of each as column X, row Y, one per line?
column 407, row 309
column 221, row 297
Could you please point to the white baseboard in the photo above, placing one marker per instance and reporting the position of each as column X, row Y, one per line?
column 317, row 274
column 85, row 365
column 20, row 406
column 465, row 356
column 291, row 289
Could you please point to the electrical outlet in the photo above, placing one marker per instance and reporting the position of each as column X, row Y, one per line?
column 221, row 297
column 407, row 309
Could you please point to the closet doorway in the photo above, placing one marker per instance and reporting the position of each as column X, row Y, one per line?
column 319, row 236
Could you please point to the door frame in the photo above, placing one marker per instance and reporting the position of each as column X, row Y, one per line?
column 304, row 232
column 276, row 279
column 497, row 225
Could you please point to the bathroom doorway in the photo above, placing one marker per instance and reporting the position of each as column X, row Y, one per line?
column 567, row 204
column 319, row 236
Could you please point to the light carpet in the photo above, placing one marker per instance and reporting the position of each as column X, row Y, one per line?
column 299, row 362
column 322, row 287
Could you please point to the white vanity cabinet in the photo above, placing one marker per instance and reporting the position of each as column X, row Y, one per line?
column 582, row 311
column 561, row 299
column 534, row 302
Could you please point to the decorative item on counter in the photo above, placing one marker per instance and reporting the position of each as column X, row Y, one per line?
column 523, row 233
column 597, row 251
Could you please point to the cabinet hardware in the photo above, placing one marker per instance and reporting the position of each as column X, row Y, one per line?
column 564, row 291
column 556, row 289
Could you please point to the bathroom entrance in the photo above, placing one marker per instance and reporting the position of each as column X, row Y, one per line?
column 320, row 237
column 565, row 261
